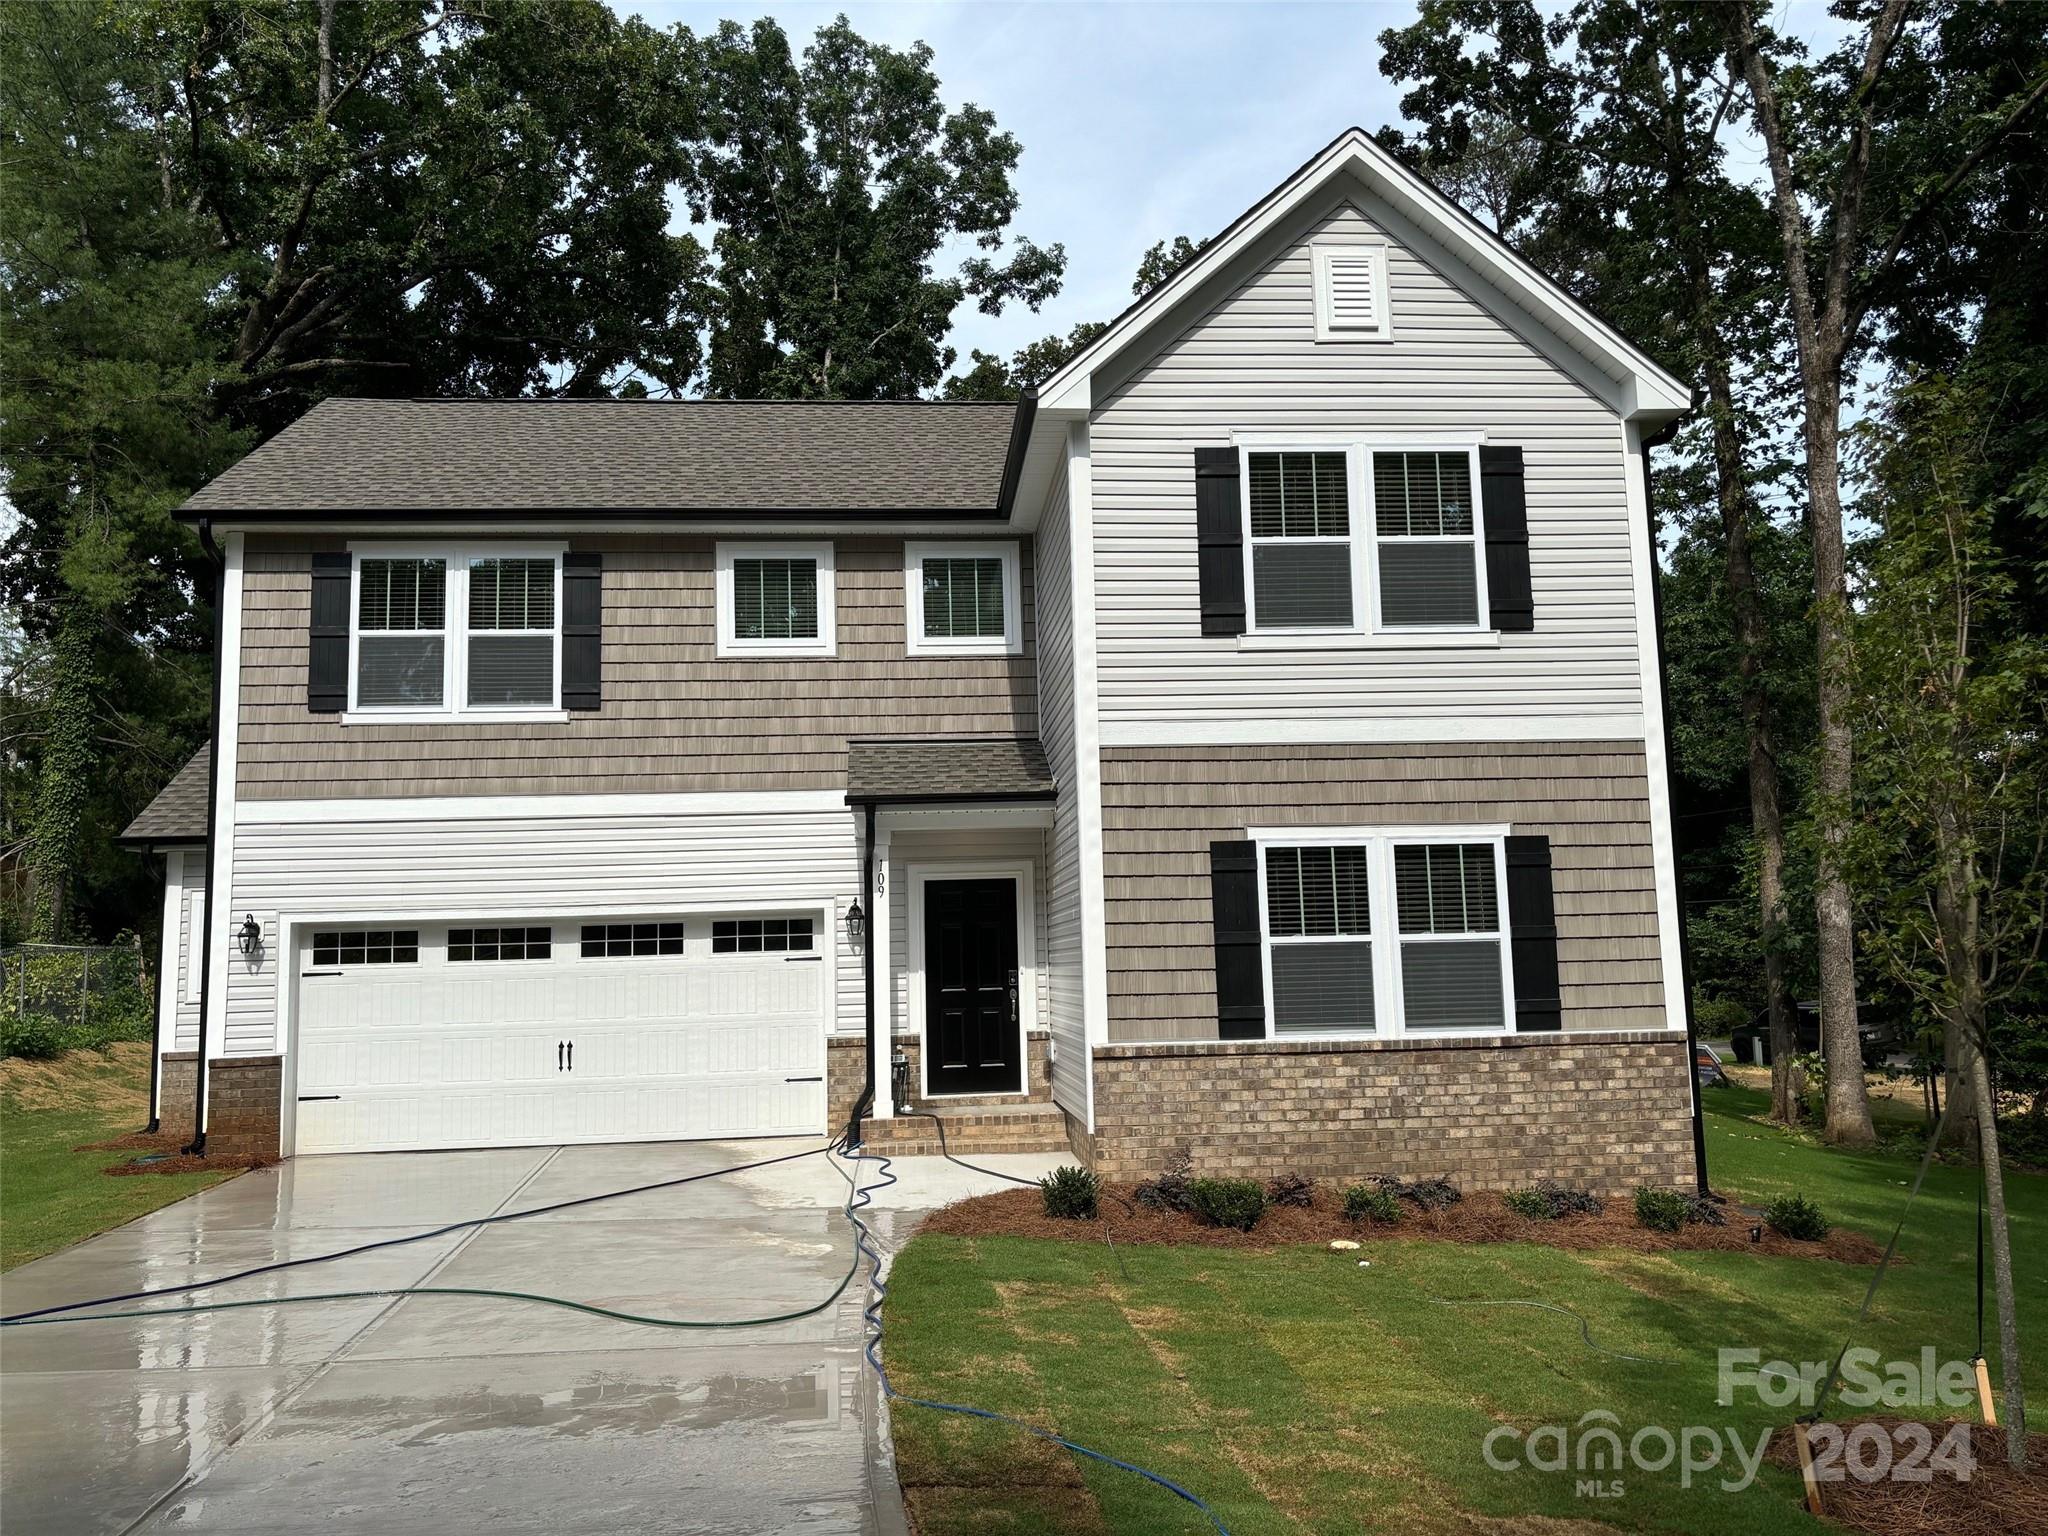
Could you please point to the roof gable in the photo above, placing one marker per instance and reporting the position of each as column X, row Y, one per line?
column 1439, row 231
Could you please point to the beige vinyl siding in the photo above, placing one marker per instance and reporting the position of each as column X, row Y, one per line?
column 676, row 717
column 185, row 1015
column 1163, row 806
column 1020, row 845
column 1251, row 364
column 1066, row 999
column 512, row 868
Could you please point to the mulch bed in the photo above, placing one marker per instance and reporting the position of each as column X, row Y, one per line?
column 170, row 1160
column 1480, row 1218
column 1997, row 1500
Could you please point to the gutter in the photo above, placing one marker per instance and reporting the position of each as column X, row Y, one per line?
column 214, row 909
column 1658, row 439
column 862, row 1104
column 1020, row 439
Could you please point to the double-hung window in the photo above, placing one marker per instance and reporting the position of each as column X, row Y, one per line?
column 1366, row 539
column 962, row 599
column 1385, row 932
column 775, row 600
column 445, row 631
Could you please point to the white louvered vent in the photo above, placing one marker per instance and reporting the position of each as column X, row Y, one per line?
column 1351, row 294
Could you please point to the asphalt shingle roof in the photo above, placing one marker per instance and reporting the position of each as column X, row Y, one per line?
column 624, row 455
column 178, row 813
column 1010, row 768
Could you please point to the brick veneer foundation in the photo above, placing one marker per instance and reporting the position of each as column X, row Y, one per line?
column 244, row 1103
column 1607, row 1110
column 846, row 1062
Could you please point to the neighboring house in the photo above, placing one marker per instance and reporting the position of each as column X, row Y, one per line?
column 1253, row 745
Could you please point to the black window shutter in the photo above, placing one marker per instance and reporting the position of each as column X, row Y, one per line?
column 1219, row 538
column 1240, row 961
column 1532, row 925
column 327, row 634
column 1506, row 512
column 582, row 629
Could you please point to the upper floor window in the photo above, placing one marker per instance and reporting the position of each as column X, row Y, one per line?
column 775, row 600
column 962, row 599
column 1318, row 564
column 448, row 631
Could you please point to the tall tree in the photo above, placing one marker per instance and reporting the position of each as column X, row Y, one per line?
column 1594, row 139
column 1842, row 220
column 1951, row 847
column 835, row 185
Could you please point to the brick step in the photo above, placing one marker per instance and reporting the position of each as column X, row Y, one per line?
column 1006, row 1128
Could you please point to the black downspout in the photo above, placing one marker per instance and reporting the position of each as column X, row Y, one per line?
column 156, row 1026
column 214, row 911
column 867, row 971
column 1692, row 1043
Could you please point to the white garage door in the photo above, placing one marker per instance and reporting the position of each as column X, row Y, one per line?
column 428, row 1035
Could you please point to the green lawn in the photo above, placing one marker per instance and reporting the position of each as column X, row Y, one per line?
column 1298, row 1392
column 52, row 1196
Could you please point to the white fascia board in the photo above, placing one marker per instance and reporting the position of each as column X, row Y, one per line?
column 1351, row 730
column 1651, row 390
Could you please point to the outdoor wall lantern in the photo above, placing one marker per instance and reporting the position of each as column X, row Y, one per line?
column 856, row 922
column 251, row 934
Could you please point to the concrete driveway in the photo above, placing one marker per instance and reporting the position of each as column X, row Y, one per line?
column 457, row 1414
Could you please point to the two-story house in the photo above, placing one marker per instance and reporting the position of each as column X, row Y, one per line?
column 1251, row 745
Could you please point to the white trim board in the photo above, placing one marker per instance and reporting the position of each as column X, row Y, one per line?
column 802, row 802
column 220, row 881
column 1089, row 739
column 1339, row 730
column 1019, row 873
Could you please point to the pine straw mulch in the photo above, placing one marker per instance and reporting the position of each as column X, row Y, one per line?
column 1997, row 1500
column 1479, row 1218
column 171, row 1161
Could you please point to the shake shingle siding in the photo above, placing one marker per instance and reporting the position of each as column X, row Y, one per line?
column 1250, row 364
column 1163, row 806
column 676, row 717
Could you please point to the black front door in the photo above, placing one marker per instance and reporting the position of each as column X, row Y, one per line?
column 970, row 979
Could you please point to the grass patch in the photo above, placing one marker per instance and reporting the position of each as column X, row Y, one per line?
column 1298, row 1392
column 52, row 1195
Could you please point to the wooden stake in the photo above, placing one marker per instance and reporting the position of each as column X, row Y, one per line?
column 1806, row 1467
column 1985, row 1402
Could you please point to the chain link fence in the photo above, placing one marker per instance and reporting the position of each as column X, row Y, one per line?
column 60, row 997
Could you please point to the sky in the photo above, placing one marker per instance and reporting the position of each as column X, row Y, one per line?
column 1138, row 122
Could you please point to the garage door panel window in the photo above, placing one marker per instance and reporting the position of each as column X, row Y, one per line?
column 602, row 941
column 760, row 935
column 456, row 631
column 470, row 944
column 1385, row 932
column 366, row 946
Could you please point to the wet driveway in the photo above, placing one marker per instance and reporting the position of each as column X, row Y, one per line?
column 453, row 1414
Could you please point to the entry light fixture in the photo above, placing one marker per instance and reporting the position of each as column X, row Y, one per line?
column 856, row 922
column 251, row 934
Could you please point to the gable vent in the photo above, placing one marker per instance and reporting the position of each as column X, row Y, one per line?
column 1351, row 294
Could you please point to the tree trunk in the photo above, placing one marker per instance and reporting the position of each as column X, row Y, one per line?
column 1848, row 1104
column 2001, row 1260
column 1955, row 1081
column 1766, row 814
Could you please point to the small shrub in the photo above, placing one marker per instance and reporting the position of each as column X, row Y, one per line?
column 1372, row 1202
column 1072, row 1194
column 1666, row 1210
column 33, row 1036
column 1719, row 1017
column 1661, row 1210
column 1235, row 1203
column 1532, row 1203
column 1431, row 1194
column 1810, row 1077
column 1796, row 1217
column 1568, row 1201
column 1168, row 1192
column 1291, row 1189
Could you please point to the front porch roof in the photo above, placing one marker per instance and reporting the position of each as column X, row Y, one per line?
column 948, row 770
